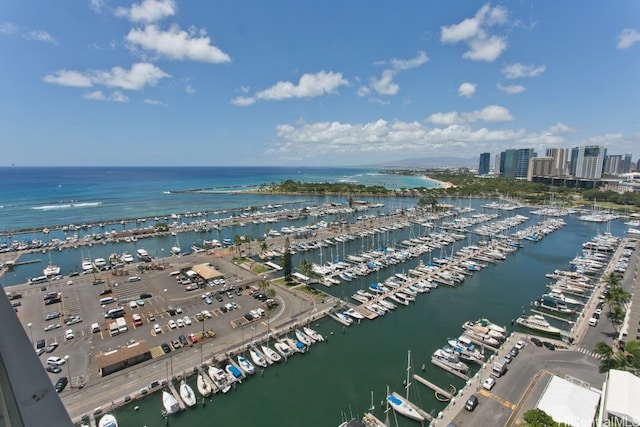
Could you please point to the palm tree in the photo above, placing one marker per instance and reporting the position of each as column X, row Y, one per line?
column 616, row 315
column 606, row 354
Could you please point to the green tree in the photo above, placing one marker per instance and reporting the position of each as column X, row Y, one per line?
column 538, row 418
column 286, row 262
column 305, row 267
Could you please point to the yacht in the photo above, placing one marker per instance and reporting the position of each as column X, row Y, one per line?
column 143, row 255
column 108, row 420
column 283, row 348
column 220, row 379
column 270, row 353
column 126, row 257
column 449, row 359
column 537, row 323
column 353, row 313
column 315, row 336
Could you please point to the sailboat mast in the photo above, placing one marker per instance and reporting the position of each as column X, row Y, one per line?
column 408, row 369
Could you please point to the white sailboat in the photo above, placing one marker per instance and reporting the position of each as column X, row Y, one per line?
column 169, row 403
column 270, row 353
column 401, row 404
column 204, row 387
column 108, row 420
column 257, row 358
column 186, row 394
column 175, row 249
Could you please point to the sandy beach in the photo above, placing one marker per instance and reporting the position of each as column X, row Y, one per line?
column 442, row 184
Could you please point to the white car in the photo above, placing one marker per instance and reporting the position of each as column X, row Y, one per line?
column 488, row 383
column 68, row 335
column 172, row 324
column 520, row 345
column 54, row 360
column 157, row 329
column 187, row 320
column 180, row 323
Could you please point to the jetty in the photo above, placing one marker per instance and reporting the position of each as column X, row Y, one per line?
column 432, row 386
column 176, row 395
column 544, row 313
column 448, row 369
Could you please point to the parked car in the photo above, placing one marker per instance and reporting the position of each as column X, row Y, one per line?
column 54, row 369
column 536, row 342
column 157, row 329
column 176, row 344
column 471, row 403
column 180, row 323
column 52, row 315
column 489, row 383
column 51, row 347
column 187, row 320
column 68, row 335
column 165, row 347
column 61, row 384
column 520, row 345
column 52, row 326
column 183, row 340
column 172, row 324
column 55, row 360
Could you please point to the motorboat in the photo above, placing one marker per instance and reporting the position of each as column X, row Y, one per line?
column 538, row 323
column 127, row 258
column 557, row 294
column 108, row 420
column 257, row 358
column 246, row 365
column 169, row 403
column 186, row 394
column 270, row 353
column 203, row 385
column 283, row 349
column 401, row 404
column 315, row 336
column 99, row 263
column 449, row 359
column 51, row 270
column 351, row 312
column 295, row 345
column 220, row 379
column 466, row 349
column 494, row 330
column 87, row 265
column 143, row 255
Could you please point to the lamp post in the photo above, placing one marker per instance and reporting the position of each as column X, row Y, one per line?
column 166, row 302
column 30, row 331
column 67, row 358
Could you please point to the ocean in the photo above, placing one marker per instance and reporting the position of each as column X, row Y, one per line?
column 335, row 379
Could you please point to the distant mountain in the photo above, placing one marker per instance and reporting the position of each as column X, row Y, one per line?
column 429, row 162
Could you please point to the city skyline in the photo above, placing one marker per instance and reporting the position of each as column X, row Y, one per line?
column 106, row 82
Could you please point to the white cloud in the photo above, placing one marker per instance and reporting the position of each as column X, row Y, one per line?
column 8, row 28
column 518, row 70
column 39, row 35
column 178, row 44
column 511, row 89
column 627, row 38
column 97, row 95
column 467, row 89
column 148, row 11
column 482, row 46
column 155, row 102
column 309, row 86
column 97, row 5
column 139, row 76
column 490, row 113
column 560, row 128
column 189, row 89
column 384, row 85
column 69, row 78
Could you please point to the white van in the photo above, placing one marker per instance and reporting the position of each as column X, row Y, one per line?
column 107, row 300
column 593, row 321
column 95, row 327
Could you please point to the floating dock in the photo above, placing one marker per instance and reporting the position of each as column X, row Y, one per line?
column 448, row 369
column 432, row 386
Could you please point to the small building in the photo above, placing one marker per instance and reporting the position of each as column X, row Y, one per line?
column 571, row 402
column 206, row 271
column 619, row 404
column 123, row 357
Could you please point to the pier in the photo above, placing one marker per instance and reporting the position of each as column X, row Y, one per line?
column 176, row 395
column 448, row 369
column 432, row 386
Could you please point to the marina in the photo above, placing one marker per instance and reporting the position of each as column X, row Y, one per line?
column 471, row 291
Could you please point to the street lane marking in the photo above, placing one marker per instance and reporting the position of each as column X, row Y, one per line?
column 498, row 399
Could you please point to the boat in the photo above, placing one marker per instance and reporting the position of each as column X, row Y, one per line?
column 270, row 353
column 554, row 305
column 450, row 359
column 538, row 323
column 303, row 338
column 315, row 336
column 143, row 255
column 495, row 331
column 351, row 312
column 186, row 394
column 108, row 420
column 283, row 349
column 176, row 248
column 220, row 379
column 401, row 404
column 257, row 358
column 466, row 349
column 234, row 373
column 559, row 296
column 51, row 269
column 127, row 258
column 203, row 385
column 169, row 403
column 99, row 263
column 87, row 265
column 246, row 365
column 295, row 345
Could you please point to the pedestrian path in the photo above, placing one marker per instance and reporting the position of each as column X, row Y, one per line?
column 589, row 353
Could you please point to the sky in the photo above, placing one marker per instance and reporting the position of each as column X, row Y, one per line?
column 313, row 83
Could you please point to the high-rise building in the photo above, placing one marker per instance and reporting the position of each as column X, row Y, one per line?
column 515, row 163
column 483, row 167
column 574, row 160
column 559, row 156
column 612, row 164
column 589, row 161
column 540, row 166
column 626, row 163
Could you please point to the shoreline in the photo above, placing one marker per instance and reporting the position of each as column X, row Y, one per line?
column 443, row 184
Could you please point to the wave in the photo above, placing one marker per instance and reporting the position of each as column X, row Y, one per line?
column 67, row 206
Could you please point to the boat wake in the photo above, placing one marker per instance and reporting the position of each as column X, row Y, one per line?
column 72, row 205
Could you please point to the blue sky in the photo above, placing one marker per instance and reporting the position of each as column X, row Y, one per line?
column 200, row 82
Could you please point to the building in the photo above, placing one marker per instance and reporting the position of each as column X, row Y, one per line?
column 515, row 163
column 588, row 161
column 612, row 164
column 27, row 396
column 540, row 166
column 626, row 163
column 121, row 358
column 483, row 167
column 619, row 404
column 559, row 156
column 569, row 401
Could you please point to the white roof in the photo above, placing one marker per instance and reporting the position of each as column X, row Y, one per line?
column 621, row 399
column 569, row 403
